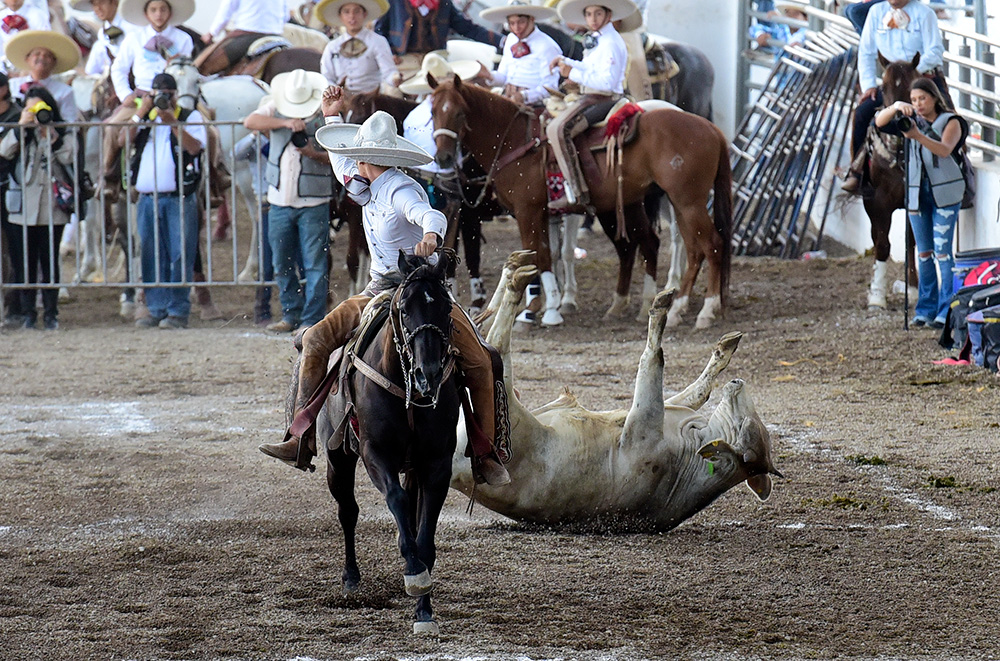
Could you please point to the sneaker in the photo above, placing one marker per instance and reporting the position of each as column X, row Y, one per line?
column 919, row 321
column 173, row 323
column 282, row 326
column 29, row 322
column 935, row 324
column 51, row 324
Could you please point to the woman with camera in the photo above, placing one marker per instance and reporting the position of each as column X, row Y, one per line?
column 935, row 188
column 39, row 198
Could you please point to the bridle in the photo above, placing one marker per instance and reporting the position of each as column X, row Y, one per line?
column 184, row 62
column 403, row 338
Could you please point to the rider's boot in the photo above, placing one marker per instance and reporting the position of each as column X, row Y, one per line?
column 852, row 183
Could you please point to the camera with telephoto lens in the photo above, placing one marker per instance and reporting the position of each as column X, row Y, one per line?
column 300, row 139
column 903, row 122
column 163, row 100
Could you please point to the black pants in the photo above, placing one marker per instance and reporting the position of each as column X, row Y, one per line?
column 43, row 258
column 867, row 109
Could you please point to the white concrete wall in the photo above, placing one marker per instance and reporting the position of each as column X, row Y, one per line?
column 709, row 25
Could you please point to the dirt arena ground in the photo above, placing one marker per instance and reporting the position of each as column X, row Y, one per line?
column 139, row 521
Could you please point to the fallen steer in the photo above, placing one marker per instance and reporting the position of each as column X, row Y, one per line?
column 649, row 468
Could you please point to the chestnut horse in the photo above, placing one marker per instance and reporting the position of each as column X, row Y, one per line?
column 685, row 155
column 886, row 164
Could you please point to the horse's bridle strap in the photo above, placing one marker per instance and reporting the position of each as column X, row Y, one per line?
column 377, row 377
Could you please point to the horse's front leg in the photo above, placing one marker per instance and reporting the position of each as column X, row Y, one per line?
column 434, row 483
column 340, row 470
column 534, row 228
column 571, row 225
column 881, row 220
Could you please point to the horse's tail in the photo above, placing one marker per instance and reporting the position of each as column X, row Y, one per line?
column 722, row 209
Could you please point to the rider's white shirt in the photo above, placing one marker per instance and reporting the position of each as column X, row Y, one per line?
column 104, row 50
column 397, row 216
column 36, row 17
column 61, row 92
column 922, row 35
column 602, row 70
column 531, row 71
column 364, row 73
column 265, row 16
column 145, row 64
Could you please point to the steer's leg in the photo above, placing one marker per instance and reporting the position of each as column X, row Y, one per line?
column 500, row 331
column 517, row 259
column 645, row 418
column 696, row 394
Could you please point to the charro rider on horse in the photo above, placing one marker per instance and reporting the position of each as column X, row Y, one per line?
column 898, row 30
column 109, row 38
column 248, row 21
column 397, row 216
column 358, row 57
column 601, row 76
column 524, row 70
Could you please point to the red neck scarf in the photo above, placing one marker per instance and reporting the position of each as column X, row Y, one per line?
column 428, row 5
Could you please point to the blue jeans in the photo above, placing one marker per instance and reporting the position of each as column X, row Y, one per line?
column 300, row 236
column 934, row 232
column 168, row 251
column 858, row 12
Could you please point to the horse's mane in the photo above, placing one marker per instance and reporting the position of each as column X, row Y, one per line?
column 362, row 106
column 480, row 95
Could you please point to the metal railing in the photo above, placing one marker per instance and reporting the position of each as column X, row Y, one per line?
column 971, row 70
column 227, row 262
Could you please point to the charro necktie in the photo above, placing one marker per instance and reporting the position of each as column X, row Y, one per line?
column 590, row 41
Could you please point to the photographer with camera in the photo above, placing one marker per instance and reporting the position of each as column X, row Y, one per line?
column 38, row 199
column 299, row 189
column 935, row 188
column 167, row 212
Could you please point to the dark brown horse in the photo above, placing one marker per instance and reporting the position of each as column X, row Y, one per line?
column 886, row 171
column 685, row 155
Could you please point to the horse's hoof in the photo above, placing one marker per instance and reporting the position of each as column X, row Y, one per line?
column 674, row 320
column 351, row 587
column 426, row 628
column 568, row 307
column 418, row 585
column 701, row 323
column 552, row 318
column 63, row 294
column 211, row 313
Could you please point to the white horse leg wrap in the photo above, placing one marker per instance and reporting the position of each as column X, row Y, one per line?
column 551, row 287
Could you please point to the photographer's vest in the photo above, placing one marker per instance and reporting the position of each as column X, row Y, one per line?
column 191, row 164
column 315, row 178
column 942, row 172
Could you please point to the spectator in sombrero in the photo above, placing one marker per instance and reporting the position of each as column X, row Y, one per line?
column 17, row 16
column 524, row 72
column 358, row 57
column 43, row 53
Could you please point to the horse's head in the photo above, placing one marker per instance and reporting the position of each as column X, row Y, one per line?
column 421, row 315
column 897, row 78
column 188, row 79
column 449, row 110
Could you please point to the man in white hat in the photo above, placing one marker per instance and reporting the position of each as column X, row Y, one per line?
column 109, row 38
column 43, row 53
column 17, row 16
column 247, row 21
column 358, row 57
column 396, row 216
column 601, row 76
column 524, row 70
column 298, row 192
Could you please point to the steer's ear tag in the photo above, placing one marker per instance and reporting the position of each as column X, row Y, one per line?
column 714, row 448
column 711, row 467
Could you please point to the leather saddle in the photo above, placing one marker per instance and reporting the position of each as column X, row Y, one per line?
column 258, row 55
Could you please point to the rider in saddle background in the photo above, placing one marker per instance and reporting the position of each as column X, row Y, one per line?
column 109, row 38
column 417, row 27
column 248, row 21
column 601, row 76
column 524, row 71
column 898, row 29
column 358, row 57
column 397, row 216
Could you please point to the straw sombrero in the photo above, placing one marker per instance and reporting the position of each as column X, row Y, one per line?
column 571, row 11
column 374, row 142
column 783, row 5
column 81, row 5
column 435, row 65
column 631, row 22
column 134, row 11
column 299, row 93
column 65, row 49
column 517, row 7
column 328, row 11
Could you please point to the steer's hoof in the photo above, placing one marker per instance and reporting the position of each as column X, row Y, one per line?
column 522, row 276
column 552, row 317
column 418, row 585
column 426, row 628
column 520, row 258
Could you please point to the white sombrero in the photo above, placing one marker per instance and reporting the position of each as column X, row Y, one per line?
column 299, row 93
column 81, row 5
column 441, row 69
column 631, row 22
column 374, row 142
column 519, row 8
column 466, row 49
column 134, row 11
column 571, row 11
column 65, row 49
column 785, row 5
column 328, row 11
